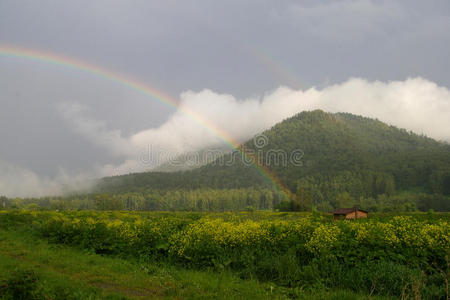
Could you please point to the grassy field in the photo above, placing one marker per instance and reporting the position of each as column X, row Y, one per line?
column 65, row 272
column 118, row 255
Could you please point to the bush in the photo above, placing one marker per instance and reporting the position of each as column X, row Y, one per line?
column 23, row 284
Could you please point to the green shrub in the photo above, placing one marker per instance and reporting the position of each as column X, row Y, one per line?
column 22, row 284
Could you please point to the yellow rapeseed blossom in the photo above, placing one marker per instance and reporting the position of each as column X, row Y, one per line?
column 324, row 238
column 212, row 235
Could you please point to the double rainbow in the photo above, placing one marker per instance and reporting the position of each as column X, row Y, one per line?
column 79, row 65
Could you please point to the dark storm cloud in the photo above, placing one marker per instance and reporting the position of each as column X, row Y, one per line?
column 180, row 45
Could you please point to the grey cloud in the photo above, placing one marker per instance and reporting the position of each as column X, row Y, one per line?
column 178, row 46
column 238, row 47
column 348, row 20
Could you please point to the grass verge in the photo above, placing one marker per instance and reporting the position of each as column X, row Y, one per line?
column 32, row 268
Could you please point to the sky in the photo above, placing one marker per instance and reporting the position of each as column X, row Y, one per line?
column 242, row 66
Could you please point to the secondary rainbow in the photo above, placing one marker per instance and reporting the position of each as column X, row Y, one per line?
column 76, row 64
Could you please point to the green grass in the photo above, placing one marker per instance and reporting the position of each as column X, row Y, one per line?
column 67, row 273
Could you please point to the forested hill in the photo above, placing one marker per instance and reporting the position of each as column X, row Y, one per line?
column 340, row 153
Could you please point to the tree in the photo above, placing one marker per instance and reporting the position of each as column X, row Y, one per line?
column 3, row 202
column 345, row 200
column 101, row 201
column 368, row 204
column 302, row 200
column 324, row 207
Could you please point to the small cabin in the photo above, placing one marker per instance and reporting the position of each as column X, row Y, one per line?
column 349, row 213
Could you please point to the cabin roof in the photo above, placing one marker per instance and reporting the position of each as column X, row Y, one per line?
column 344, row 211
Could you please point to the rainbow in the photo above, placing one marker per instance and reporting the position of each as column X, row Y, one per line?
column 127, row 81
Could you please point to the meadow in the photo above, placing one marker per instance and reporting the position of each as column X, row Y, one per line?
column 281, row 255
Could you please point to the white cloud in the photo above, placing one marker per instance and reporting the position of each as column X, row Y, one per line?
column 415, row 104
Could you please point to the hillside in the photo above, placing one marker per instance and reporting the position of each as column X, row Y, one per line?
column 341, row 154
column 191, row 160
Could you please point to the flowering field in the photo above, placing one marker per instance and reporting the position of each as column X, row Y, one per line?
column 398, row 255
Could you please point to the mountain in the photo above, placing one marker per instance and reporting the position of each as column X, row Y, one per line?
column 192, row 160
column 324, row 154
